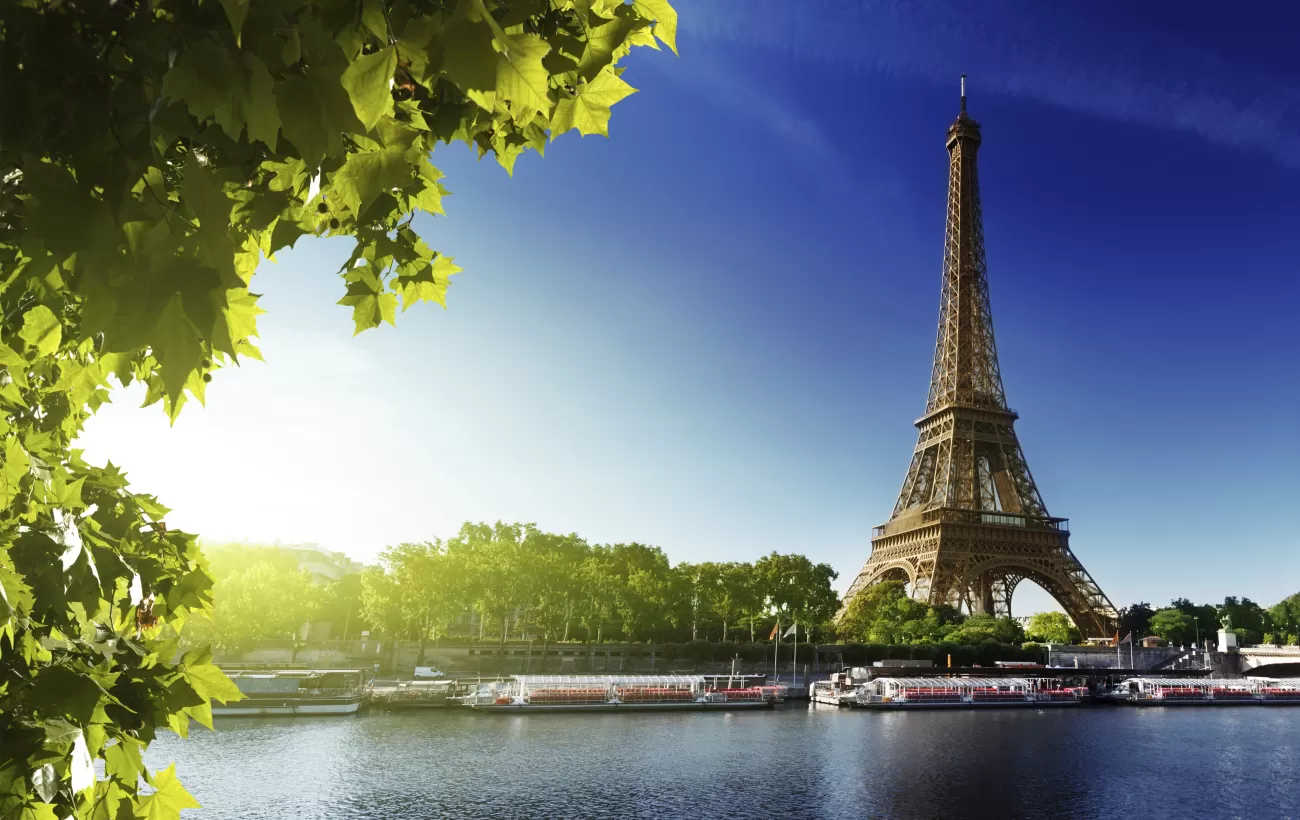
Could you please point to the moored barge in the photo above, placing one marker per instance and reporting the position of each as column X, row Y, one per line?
column 295, row 692
column 1205, row 692
column 617, row 693
column 888, row 694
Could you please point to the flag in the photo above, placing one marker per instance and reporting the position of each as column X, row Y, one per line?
column 776, row 626
column 1128, row 638
column 789, row 631
column 1116, row 641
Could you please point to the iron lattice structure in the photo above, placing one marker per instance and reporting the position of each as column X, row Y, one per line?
column 970, row 524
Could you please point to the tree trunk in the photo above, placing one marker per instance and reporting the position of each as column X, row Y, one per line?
column 568, row 614
column 724, row 631
column 544, row 640
column 502, row 647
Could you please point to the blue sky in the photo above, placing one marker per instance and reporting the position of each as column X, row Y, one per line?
column 712, row 332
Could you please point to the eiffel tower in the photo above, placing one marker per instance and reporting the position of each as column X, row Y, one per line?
column 969, row 524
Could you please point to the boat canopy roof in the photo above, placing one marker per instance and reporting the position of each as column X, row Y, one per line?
column 609, row 680
column 1197, row 683
column 962, row 683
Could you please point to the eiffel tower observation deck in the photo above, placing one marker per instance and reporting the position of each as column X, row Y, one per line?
column 969, row 523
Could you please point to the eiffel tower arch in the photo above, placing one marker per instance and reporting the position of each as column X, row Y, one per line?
column 969, row 524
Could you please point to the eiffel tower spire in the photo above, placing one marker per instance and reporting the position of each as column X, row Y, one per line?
column 969, row 523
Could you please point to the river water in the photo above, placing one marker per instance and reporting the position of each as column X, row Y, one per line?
column 798, row 762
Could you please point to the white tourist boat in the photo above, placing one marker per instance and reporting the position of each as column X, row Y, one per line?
column 1205, row 692
column 964, row 693
column 295, row 692
column 841, row 689
column 618, row 693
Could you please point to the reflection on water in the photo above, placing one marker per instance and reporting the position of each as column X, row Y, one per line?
column 797, row 762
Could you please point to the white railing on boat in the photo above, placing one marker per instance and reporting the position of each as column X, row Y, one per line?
column 618, row 689
column 970, row 691
column 1172, row 690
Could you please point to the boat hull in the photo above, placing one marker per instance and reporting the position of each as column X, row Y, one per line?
column 254, row 707
column 895, row 706
column 1209, row 702
column 621, row 707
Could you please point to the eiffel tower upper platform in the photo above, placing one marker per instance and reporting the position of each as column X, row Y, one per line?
column 969, row 523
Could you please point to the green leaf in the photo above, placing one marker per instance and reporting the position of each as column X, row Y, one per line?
column 41, row 330
column 430, row 197
column 260, row 111
column 236, row 94
column 301, row 119
column 470, row 61
column 208, row 82
column 603, row 42
column 13, row 471
column 428, row 283
column 38, row 811
column 367, row 174
column 124, row 762
column 374, row 19
column 60, row 692
column 206, row 679
column 179, row 352
column 59, row 731
column 236, row 11
column 521, row 77
column 168, row 799
column 589, row 110
column 666, row 19
column 370, row 308
column 369, row 82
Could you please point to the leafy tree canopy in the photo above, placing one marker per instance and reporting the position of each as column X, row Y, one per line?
column 987, row 629
column 884, row 613
column 1052, row 627
column 151, row 155
column 1173, row 625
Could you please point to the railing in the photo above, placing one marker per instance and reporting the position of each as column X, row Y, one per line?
column 1001, row 519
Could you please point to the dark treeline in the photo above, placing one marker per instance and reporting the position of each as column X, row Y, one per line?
column 1182, row 622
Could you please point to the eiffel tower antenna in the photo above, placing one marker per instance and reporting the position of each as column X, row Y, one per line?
column 969, row 523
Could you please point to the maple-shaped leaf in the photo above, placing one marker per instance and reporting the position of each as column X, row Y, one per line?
column 589, row 109
column 369, row 83
column 168, row 799
column 521, row 77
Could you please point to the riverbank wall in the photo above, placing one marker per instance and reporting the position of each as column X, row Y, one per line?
column 399, row 658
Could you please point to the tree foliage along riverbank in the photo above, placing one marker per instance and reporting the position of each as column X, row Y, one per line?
column 1182, row 622
column 151, row 154
column 518, row 578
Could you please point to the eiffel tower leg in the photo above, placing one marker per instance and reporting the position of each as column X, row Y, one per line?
column 1003, row 588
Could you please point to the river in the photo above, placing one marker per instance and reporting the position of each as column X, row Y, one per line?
column 796, row 762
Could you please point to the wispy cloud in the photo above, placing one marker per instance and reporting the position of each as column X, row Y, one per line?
column 1060, row 54
column 722, row 83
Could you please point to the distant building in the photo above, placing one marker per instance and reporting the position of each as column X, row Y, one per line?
column 323, row 565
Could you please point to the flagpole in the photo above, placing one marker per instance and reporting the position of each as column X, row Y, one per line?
column 795, row 661
column 776, row 653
